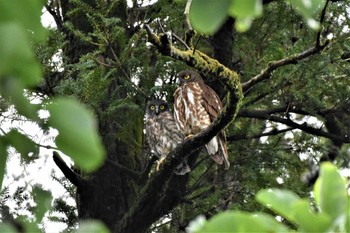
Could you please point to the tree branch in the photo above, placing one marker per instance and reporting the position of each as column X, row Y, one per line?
column 266, row 115
column 56, row 16
column 259, row 135
column 272, row 66
column 187, row 14
column 323, row 14
column 73, row 177
column 199, row 61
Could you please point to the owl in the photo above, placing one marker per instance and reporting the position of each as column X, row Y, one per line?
column 196, row 105
column 162, row 133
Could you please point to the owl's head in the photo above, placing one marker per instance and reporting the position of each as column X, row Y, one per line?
column 156, row 106
column 186, row 76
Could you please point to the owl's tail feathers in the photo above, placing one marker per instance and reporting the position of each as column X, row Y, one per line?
column 217, row 158
column 182, row 169
column 221, row 158
column 218, row 152
column 224, row 154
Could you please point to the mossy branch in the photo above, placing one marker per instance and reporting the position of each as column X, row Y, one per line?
column 201, row 62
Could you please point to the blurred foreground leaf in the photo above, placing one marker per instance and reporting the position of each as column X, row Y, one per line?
column 92, row 226
column 331, row 199
column 22, row 144
column 78, row 135
column 331, row 194
column 308, row 10
column 280, row 201
column 24, row 13
column 7, row 228
column 17, row 58
column 43, row 200
column 245, row 12
column 3, row 159
column 236, row 221
column 206, row 16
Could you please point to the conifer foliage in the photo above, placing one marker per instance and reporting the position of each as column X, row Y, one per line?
column 280, row 67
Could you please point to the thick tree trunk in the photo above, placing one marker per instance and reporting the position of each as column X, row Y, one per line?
column 222, row 42
column 108, row 193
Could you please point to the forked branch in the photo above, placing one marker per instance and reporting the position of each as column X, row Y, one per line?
column 274, row 65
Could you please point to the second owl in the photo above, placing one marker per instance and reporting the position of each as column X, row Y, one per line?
column 161, row 132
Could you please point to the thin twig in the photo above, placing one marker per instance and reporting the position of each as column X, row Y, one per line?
column 46, row 146
column 187, row 14
column 56, row 16
column 272, row 66
column 195, row 46
column 181, row 41
column 255, row 136
column 200, row 178
column 323, row 13
column 160, row 26
column 124, row 71
column 265, row 115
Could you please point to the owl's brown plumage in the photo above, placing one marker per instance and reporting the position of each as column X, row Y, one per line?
column 196, row 105
column 162, row 133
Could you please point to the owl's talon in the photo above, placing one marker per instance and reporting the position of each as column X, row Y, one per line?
column 189, row 136
column 159, row 163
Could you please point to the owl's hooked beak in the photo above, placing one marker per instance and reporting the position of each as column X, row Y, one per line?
column 156, row 110
column 179, row 81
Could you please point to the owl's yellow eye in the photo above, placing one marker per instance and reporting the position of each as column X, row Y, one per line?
column 152, row 107
column 187, row 76
column 162, row 107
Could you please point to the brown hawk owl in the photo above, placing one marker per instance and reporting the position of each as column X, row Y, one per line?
column 162, row 133
column 196, row 106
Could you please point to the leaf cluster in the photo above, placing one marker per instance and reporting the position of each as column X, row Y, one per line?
column 331, row 214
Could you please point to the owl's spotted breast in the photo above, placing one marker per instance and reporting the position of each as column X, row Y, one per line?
column 162, row 133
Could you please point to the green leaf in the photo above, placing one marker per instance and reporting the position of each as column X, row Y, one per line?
column 43, row 200
column 330, row 193
column 5, row 227
column 246, row 8
column 308, row 9
column 243, row 24
column 308, row 221
column 92, row 226
column 28, row 225
column 207, row 16
column 13, row 90
column 22, row 144
column 347, row 217
column 17, row 60
column 280, row 201
column 24, row 13
column 245, row 12
column 78, row 137
column 3, row 159
column 236, row 221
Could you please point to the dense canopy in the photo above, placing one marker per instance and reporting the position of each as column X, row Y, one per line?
column 283, row 81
